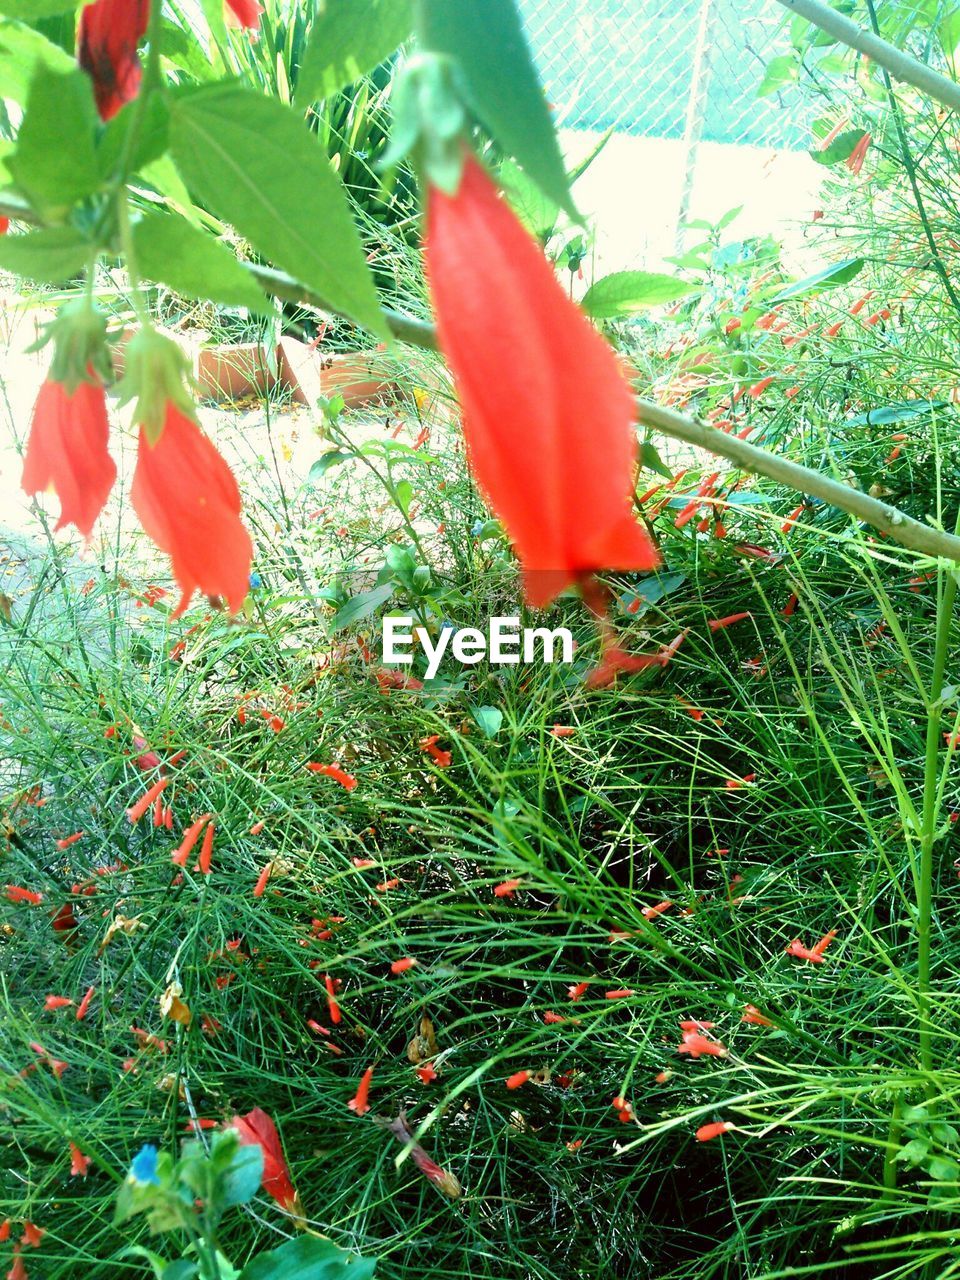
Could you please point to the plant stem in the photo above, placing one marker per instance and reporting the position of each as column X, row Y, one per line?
column 901, row 65
column 946, row 599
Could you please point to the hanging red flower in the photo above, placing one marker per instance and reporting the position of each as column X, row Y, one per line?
column 107, row 40
column 548, row 414
column 67, row 451
column 242, row 13
column 188, row 502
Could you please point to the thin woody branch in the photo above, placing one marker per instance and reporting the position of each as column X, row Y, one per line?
column 888, row 519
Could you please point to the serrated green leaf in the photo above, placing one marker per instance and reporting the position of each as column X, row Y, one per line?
column 625, row 292
column 349, row 38
column 22, row 51
column 361, row 606
column 173, row 252
column 257, row 166
column 308, row 1258
column 52, row 255
column 487, row 40
column 840, row 273
column 55, row 161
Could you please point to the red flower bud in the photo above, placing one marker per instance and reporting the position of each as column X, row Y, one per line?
column 242, row 13
column 189, row 504
column 548, row 414
column 67, row 452
column 107, row 40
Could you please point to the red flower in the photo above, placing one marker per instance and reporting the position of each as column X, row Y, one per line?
column 427, row 1073
column 242, row 13
column 256, row 1128
column 67, row 451
column 720, row 624
column 188, row 502
column 79, row 1163
column 359, row 1103
column 53, row 1003
column 507, row 889
column 206, row 851
column 698, row 1045
column 331, row 984
column 517, row 1079
column 190, row 837
column 752, row 1014
column 548, row 414
column 346, row 780
column 815, row 953
column 4, row 225
column 854, row 161
column 576, row 992
column 136, row 811
column 260, row 887
column 401, row 966
column 15, row 893
column 713, row 1130
column 107, row 40
column 84, row 1004
column 18, row 1271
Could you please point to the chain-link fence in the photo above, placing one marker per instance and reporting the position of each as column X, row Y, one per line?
column 677, row 83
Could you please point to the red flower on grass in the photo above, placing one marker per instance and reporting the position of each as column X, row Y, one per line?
column 815, row 953
column 548, row 414
column 107, row 40
column 188, row 502
column 359, row 1103
column 257, row 1129
column 79, row 1163
column 67, row 451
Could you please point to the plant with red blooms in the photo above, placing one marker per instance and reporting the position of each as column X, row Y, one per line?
column 242, row 13
column 547, row 413
column 257, row 1127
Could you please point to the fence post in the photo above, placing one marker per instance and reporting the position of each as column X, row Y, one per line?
column 696, row 112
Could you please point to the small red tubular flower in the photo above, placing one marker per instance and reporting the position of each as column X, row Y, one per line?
column 698, row 1045
column 517, row 1080
column 815, row 953
column 84, row 1004
column 67, row 451
column 346, row 780
column 752, row 1014
column 359, row 1102
column 4, row 225
column 206, row 850
column 507, row 889
column 137, row 810
column 713, row 1130
column 107, row 40
column 720, row 624
column 331, row 984
column 242, row 13
column 52, row 1003
column 16, row 893
column 257, row 1129
column 401, row 966
column 79, row 1163
column 854, row 161
column 188, row 502
column 190, row 837
column 548, row 414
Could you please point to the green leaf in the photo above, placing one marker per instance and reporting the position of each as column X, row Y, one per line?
column 404, row 492
column 349, row 38
column 55, row 161
column 537, row 213
column 326, row 461
column 361, row 606
column 242, row 1180
column 489, row 720
column 840, row 273
column 308, row 1258
column 258, row 166
column 190, row 261
column 31, row 10
column 639, row 598
column 53, row 255
column 651, row 460
column 886, row 415
column 22, row 52
column 486, row 38
column 780, row 72
column 624, row 292
column 153, row 136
